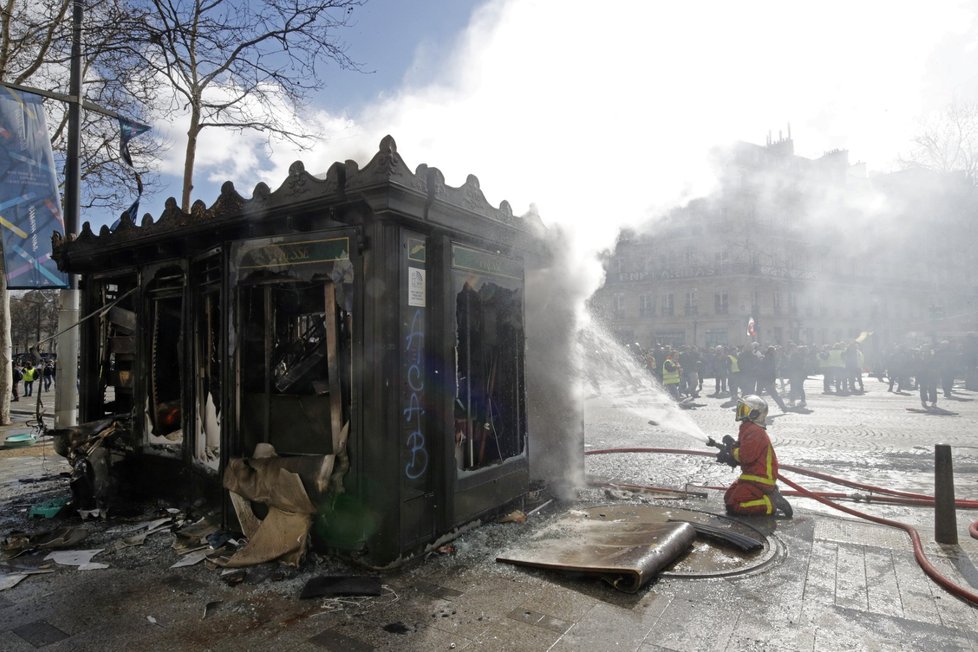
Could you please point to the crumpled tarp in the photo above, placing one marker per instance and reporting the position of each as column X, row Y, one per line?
column 284, row 485
column 619, row 546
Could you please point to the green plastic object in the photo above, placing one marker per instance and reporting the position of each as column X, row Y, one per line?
column 50, row 509
column 21, row 439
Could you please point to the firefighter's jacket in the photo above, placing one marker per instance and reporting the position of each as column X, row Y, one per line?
column 754, row 452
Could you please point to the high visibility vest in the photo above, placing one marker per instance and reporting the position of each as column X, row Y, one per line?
column 835, row 359
column 670, row 377
column 734, row 367
column 29, row 375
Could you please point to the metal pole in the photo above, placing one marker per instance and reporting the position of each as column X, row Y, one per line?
column 66, row 380
column 72, row 165
column 945, row 519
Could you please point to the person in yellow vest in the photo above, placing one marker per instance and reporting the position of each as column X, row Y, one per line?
column 734, row 377
column 671, row 374
column 837, row 362
column 29, row 374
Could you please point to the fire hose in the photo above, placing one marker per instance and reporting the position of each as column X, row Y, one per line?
column 911, row 498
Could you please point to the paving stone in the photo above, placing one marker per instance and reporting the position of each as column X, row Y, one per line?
column 916, row 597
column 514, row 636
column 436, row 591
column 539, row 620
column 330, row 639
column 883, row 590
column 687, row 625
column 611, row 627
column 820, row 575
column 850, row 577
column 849, row 531
column 40, row 633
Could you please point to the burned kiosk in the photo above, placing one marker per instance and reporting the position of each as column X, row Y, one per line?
column 372, row 319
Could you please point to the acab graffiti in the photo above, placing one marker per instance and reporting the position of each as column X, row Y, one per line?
column 414, row 411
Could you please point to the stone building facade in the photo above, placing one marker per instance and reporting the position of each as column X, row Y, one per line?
column 812, row 250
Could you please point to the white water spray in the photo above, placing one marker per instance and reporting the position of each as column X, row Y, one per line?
column 613, row 373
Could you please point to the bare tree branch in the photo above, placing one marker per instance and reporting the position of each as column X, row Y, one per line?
column 231, row 61
column 948, row 142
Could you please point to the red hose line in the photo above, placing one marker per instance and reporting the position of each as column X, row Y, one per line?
column 887, row 500
column 929, row 569
column 962, row 503
column 918, row 549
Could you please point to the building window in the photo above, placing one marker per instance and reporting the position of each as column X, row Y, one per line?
column 619, row 307
column 674, row 339
column 647, row 305
column 668, row 305
column 721, row 304
column 490, row 423
column 691, row 307
column 716, row 338
column 777, row 302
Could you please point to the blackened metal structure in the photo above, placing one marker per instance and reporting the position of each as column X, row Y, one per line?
column 375, row 315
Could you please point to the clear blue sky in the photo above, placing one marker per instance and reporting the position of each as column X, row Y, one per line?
column 384, row 37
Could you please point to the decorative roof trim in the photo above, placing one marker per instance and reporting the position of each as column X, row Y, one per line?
column 342, row 181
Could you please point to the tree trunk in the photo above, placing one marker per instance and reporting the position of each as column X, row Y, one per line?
column 188, row 165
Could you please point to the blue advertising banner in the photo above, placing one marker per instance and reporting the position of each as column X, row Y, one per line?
column 30, row 205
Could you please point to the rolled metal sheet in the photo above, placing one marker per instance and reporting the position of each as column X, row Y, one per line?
column 606, row 542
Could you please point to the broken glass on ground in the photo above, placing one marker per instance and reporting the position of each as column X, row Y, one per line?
column 80, row 558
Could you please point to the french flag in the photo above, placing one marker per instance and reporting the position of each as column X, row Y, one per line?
column 750, row 328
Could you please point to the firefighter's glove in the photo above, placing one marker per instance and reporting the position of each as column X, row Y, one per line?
column 725, row 456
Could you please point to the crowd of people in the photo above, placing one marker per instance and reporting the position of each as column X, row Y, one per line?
column 43, row 373
column 774, row 370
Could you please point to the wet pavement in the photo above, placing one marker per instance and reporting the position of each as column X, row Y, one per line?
column 834, row 582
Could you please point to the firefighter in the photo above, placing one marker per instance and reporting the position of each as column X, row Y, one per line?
column 755, row 491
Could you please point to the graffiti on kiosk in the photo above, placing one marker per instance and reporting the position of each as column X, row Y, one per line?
column 414, row 412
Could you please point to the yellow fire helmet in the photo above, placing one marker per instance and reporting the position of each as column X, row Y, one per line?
column 752, row 408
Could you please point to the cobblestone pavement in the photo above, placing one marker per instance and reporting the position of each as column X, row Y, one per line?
column 840, row 583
